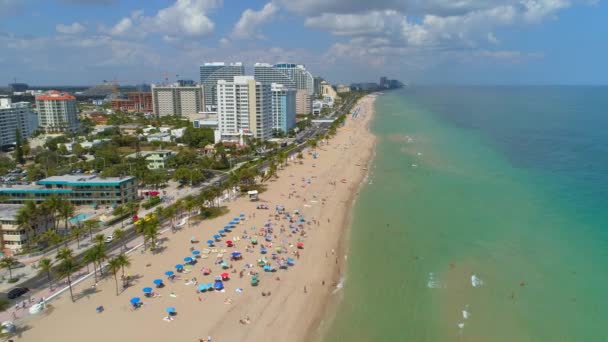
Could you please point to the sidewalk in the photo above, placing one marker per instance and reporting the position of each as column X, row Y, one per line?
column 29, row 271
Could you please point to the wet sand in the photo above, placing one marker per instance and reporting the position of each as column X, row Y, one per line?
column 322, row 189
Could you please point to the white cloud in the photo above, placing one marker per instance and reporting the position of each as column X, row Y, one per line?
column 250, row 21
column 73, row 28
column 182, row 18
column 356, row 24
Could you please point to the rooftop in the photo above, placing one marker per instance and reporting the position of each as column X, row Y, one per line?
column 83, row 179
column 148, row 153
column 222, row 64
column 55, row 95
column 8, row 212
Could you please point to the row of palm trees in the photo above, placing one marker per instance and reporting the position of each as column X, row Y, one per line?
column 66, row 264
column 30, row 215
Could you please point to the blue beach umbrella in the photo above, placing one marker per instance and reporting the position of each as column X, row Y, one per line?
column 188, row 259
column 219, row 285
column 210, row 242
column 227, row 227
column 135, row 300
column 169, row 273
column 179, row 266
column 290, row 262
column 242, row 215
column 221, row 232
column 158, row 282
column 217, row 237
column 236, row 254
column 195, row 252
column 237, row 219
column 267, row 268
column 202, row 287
column 170, row 310
column 147, row 290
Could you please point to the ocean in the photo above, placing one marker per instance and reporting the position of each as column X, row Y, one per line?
column 484, row 218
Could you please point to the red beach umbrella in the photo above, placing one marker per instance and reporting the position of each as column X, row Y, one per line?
column 224, row 276
column 229, row 243
column 300, row 245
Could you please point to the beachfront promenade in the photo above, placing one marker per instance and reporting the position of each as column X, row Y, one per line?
column 285, row 303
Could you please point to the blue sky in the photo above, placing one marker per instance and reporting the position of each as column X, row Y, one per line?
column 418, row 41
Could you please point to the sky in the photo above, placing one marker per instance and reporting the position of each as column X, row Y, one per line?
column 84, row 42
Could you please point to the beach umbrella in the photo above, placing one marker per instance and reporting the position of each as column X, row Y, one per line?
column 224, row 264
column 229, row 243
column 169, row 273
column 263, row 250
column 218, row 285
column 267, row 268
column 147, row 290
column 221, row 232
column 188, row 259
column 236, row 219
column 170, row 310
column 225, row 276
column 290, row 261
column 179, row 266
column 158, row 282
column 210, row 242
column 205, row 271
column 202, row 287
column 135, row 300
column 236, row 255
column 227, row 227
column 232, row 223
column 300, row 245
column 242, row 215
column 196, row 253
column 217, row 237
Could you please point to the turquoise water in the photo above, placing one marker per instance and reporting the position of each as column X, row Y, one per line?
column 79, row 218
column 507, row 184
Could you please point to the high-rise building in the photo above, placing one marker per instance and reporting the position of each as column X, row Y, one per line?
column 186, row 83
column 211, row 73
column 317, row 85
column 13, row 117
column 298, row 73
column 176, row 100
column 18, row 87
column 135, row 102
column 303, row 102
column 267, row 73
column 383, row 82
column 283, row 108
column 244, row 108
column 57, row 112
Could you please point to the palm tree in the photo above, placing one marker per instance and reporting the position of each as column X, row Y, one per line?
column 9, row 263
column 64, row 253
column 132, row 208
column 120, row 211
column 66, row 211
column 26, row 215
column 124, row 262
column 51, row 205
column 90, row 257
column 65, row 270
column 77, row 232
column 119, row 234
column 99, row 239
column 114, row 267
column 101, row 255
column 148, row 227
column 46, row 266
column 51, row 238
column 89, row 225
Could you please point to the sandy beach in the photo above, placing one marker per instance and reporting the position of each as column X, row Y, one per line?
column 295, row 300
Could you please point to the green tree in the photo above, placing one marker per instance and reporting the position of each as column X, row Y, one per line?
column 124, row 262
column 46, row 266
column 78, row 232
column 119, row 235
column 26, row 216
column 114, row 267
column 66, row 211
column 89, row 225
column 198, row 137
column 65, row 269
column 8, row 263
column 18, row 153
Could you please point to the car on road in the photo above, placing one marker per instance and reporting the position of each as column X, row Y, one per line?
column 109, row 238
column 17, row 292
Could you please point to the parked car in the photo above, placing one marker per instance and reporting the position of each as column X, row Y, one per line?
column 17, row 292
column 109, row 238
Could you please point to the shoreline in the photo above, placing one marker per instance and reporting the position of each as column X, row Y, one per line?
column 289, row 313
column 334, row 298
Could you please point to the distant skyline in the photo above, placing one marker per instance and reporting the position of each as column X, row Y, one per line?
column 83, row 42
